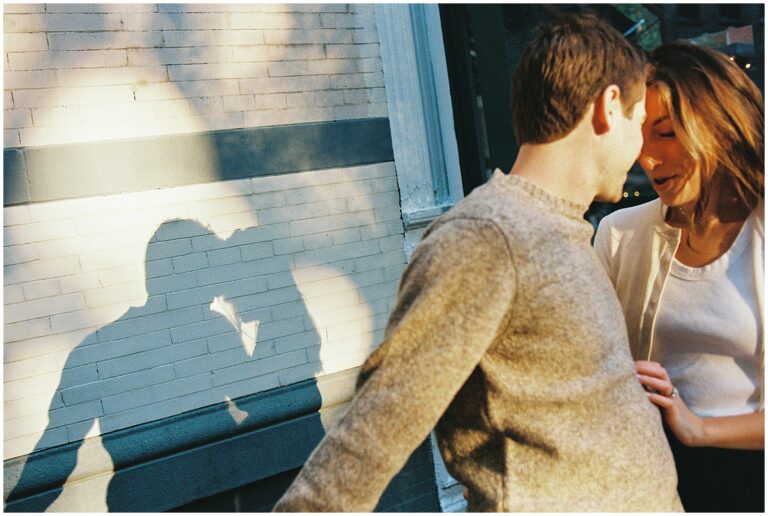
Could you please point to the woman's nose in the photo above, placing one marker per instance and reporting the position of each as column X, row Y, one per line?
column 648, row 162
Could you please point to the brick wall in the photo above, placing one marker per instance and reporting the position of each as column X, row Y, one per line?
column 114, row 314
column 83, row 72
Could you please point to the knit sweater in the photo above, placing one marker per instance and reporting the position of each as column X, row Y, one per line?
column 508, row 339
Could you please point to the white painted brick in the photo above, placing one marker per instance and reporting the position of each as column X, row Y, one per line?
column 193, row 38
column 225, row 256
column 24, row 42
column 326, row 192
column 304, row 211
column 252, row 235
column 295, row 342
column 37, row 232
column 168, row 248
column 23, row 8
column 110, row 76
column 119, row 275
column 15, row 118
column 126, row 401
column 115, row 294
column 388, row 213
column 62, row 22
column 394, row 272
column 110, row 258
column 29, row 406
column 329, row 98
column 101, row 8
column 103, row 40
column 13, row 294
column 139, row 415
column 23, row 425
column 274, row 21
column 322, row 272
column 145, row 324
column 392, row 243
column 242, row 271
column 153, row 358
column 329, row 223
column 300, row 99
column 15, row 215
column 378, row 111
column 22, row 445
column 178, row 21
column 336, row 253
column 11, row 138
column 356, row 96
column 190, row 262
column 329, row 286
column 41, row 288
column 174, row 283
column 46, row 344
column 210, row 361
column 56, row 116
column 280, row 280
column 341, row 21
column 206, row 105
column 246, row 304
column 35, row 366
column 380, row 291
column 369, row 64
column 288, row 310
column 259, row 367
column 284, row 84
column 377, row 95
column 365, row 35
column 173, row 56
column 298, row 373
column 288, row 246
column 85, row 319
column 182, row 387
column 374, row 231
column 318, row 241
column 291, row 52
column 27, row 79
column 332, row 364
column 286, row 116
column 306, row 37
column 345, row 236
column 166, row 108
column 380, row 260
column 199, row 329
column 69, row 96
column 239, row 103
column 232, row 340
column 108, row 350
column 196, row 72
column 301, row 8
column 342, row 51
column 387, row 184
column 357, row 80
column 69, row 415
column 28, row 387
column 208, row 88
column 7, row 96
column 344, row 330
column 204, row 295
column 350, row 111
column 42, row 269
column 67, row 59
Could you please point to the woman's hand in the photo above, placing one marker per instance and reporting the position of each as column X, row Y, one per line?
column 687, row 426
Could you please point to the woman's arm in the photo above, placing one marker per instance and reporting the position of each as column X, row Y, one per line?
column 745, row 432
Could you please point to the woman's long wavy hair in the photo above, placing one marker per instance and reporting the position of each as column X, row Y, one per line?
column 717, row 114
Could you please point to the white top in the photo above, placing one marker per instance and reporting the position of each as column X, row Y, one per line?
column 708, row 332
column 637, row 249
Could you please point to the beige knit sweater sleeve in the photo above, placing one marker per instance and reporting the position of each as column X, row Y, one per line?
column 454, row 298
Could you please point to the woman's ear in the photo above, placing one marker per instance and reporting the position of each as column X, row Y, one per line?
column 607, row 106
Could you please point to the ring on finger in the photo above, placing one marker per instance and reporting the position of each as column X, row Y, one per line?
column 674, row 393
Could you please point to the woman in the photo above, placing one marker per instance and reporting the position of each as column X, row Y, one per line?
column 688, row 270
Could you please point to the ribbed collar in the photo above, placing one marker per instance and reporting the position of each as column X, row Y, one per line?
column 570, row 209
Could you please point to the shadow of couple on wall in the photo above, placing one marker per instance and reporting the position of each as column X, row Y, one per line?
column 223, row 319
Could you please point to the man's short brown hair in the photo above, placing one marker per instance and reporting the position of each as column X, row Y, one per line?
column 565, row 68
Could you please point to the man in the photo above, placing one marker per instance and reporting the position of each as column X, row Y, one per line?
column 507, row 334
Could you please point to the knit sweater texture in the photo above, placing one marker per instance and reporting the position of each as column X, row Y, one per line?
column 508, row 340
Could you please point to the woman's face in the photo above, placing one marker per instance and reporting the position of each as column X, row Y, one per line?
column 668, row 165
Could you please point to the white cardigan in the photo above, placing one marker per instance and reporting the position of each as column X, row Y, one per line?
column 636, row 248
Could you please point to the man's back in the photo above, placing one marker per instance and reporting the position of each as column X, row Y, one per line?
column 553, row 418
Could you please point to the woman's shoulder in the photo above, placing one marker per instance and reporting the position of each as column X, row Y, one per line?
column 635, row 217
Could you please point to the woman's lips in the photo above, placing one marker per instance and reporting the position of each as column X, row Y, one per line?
column 662, row 184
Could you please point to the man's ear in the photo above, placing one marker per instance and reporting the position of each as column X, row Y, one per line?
column 607, row 107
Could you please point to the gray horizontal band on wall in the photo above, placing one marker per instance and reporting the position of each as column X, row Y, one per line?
column 281, row 429
column 39, row 174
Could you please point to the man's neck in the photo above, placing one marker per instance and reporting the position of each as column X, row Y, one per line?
column 562, row 168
